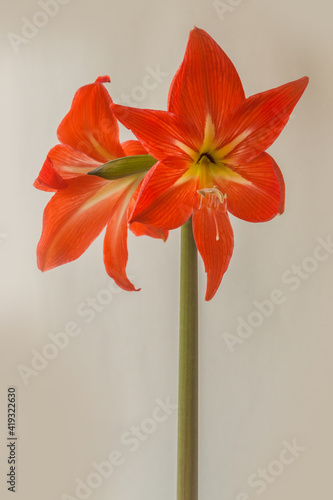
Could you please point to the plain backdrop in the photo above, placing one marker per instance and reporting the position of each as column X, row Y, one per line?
column 273, row 388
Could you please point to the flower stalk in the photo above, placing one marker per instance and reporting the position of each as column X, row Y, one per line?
column 187, row 473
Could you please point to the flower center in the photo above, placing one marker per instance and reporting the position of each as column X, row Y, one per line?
column 203, row 156
column 204, row 167
column 207, row 162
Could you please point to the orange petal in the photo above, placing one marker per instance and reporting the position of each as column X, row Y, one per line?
column 90, row 126
column 256, row 122
column 48, row 178
column 215, row 241
column 258, row 195
column 132, row 148
column 163, row 134
column 115, row 249
column 69, row 162
column 144, row 230
column 166, row 199
column 115, row 241
column 206, row 83
column 75, row 216
column 103, row 79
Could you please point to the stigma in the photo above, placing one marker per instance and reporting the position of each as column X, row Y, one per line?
column 214, row 197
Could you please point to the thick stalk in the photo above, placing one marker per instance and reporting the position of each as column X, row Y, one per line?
column 187, row 472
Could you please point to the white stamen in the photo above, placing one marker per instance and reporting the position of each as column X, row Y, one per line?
column 219, row 197
column 215, row 198
column 216, row 227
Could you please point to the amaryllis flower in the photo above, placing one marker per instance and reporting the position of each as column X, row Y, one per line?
column 210, row 146
column 83, row 204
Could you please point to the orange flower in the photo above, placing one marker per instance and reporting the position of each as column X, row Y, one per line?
column 83, row 204
column 210, row 146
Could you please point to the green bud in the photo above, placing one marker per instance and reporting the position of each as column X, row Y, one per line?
column 123, row 167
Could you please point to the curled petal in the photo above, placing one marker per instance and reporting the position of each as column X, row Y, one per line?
column 90, row 126
column 103, row 79
column 48, row 178
column 215, row 241
column 115, row 250
column 69, row 162
column 144, row 230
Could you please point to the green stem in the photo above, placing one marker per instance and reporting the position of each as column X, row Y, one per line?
column 187, row 488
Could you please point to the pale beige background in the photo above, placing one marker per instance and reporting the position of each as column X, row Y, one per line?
column 277, row 385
